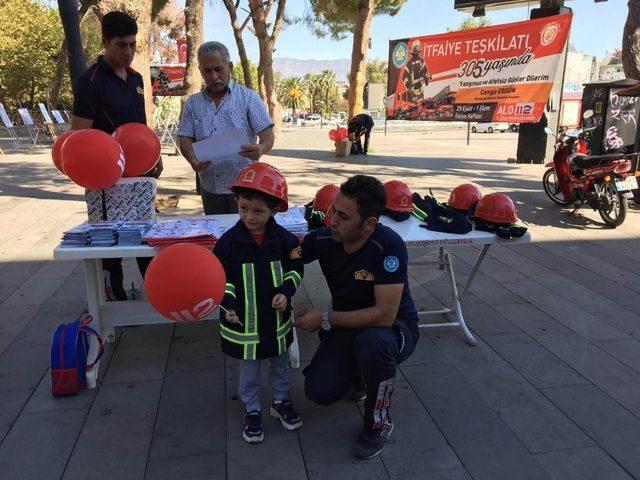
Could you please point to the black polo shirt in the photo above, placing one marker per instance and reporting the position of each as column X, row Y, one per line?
column 351, row 277
column 107, row 99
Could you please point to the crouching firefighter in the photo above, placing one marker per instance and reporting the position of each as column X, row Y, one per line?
column 371, row 325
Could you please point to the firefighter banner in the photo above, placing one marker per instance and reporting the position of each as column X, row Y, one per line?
column 167, row 79
column 501, row 74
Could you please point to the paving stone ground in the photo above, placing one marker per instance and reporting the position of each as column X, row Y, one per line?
column 552, row 390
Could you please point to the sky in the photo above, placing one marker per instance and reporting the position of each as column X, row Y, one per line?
column 597, row 27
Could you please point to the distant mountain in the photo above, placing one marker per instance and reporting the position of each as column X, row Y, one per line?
column 296, row 67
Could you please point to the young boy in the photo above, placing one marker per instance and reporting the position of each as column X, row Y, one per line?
column 263, row 266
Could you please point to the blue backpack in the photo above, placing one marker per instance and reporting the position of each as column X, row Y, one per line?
column 69, row 350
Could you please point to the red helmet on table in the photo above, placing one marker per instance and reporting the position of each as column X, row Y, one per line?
column 325, row 197
column 398, row 196
column 496, row 208
column 464, row 196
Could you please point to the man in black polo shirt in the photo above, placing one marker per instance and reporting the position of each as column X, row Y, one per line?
column 109, row 94
column 372, row 325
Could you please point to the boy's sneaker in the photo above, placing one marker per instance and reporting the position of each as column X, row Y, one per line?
column 252, row 427
column 370, row 443
column 284, row 411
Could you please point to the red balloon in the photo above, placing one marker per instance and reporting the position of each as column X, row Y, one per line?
column 141, row 148
column 343, row 132
column 57, row 146
column 185, row 282
column 92, row 159
column 333, row 134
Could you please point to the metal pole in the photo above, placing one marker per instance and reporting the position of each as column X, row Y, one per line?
column 468, row 133
column 564, row 72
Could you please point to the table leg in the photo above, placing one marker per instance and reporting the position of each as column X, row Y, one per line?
column 474, row 271
column 456, row 307
column 95, row 300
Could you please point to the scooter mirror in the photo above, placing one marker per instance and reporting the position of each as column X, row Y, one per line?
column 548, row 131
column 587, row 114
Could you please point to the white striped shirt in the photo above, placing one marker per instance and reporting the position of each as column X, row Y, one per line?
column 241, row 107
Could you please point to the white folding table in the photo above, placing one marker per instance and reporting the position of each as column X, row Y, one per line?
column 107, row 315
column 415, row 236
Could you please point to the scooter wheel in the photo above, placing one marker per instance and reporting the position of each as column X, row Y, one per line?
column 552, row 187
column 613, row 206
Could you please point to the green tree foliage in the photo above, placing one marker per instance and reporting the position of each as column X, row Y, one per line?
column 336, row 18
column 292, row 94
column 322, row 91
column 377, row 71
column 238, row 75
column 30, row 39
column 470, row 23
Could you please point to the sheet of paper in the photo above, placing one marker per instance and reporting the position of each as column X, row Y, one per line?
column 220, row 146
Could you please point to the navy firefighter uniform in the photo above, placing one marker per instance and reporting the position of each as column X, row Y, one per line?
column 255, row 273
column 375, row 352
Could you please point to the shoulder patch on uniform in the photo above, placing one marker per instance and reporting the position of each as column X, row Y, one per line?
column 391, row 263
column 363, row 275
column 295, row 253
column 140, row 90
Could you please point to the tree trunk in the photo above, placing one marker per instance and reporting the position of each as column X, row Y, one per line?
column 631, row 42
column 266, row 42
column 261, row 84
column 193, row 23
column 70, row 17
column 141, row 11
column 61, row 63
column 237, row 33
column 361, row 35
column 261, row 90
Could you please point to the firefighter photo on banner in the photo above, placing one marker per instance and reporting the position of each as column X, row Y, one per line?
column 502, row 73
column 415, row 76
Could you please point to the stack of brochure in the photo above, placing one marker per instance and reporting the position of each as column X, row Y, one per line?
column 293, row 220
column 202, row 231
column 131, row 233
column 104, row 234
column 76, row 237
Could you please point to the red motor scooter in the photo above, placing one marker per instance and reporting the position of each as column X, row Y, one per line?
column 604, row 182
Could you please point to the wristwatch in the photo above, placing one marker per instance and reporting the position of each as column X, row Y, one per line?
column 325, row 324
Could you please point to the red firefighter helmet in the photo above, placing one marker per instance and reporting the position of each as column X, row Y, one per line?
column 328, row 215
column 398, row 196
column 266, row 179
column 496, row 208
column 464, row 196
column 325, row 197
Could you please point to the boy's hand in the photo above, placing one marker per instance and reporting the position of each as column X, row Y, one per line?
column 231, row 317
column 279, row 302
